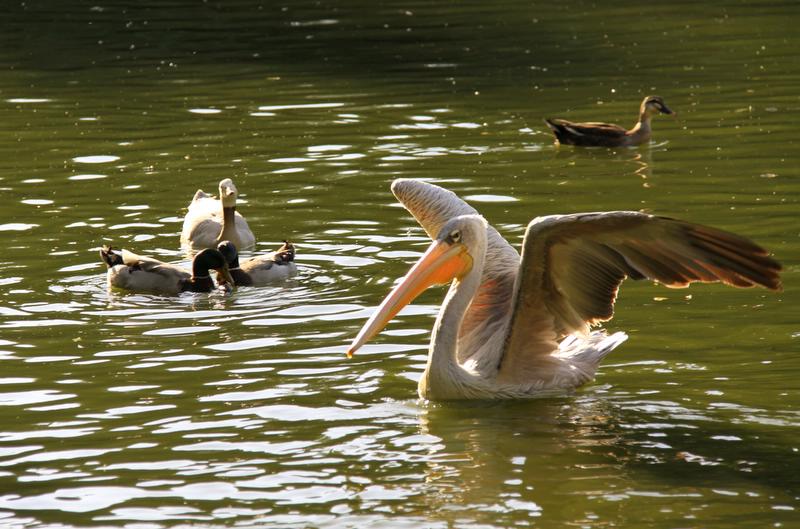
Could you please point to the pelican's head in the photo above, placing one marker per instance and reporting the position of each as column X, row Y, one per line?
column 652, row 105
column 448, row 258
column 228, row 193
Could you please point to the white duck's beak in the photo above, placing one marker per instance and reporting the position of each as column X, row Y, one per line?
column 228, row 193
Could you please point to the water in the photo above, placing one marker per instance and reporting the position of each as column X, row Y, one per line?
column 220, row 410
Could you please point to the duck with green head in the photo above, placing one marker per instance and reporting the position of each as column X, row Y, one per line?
column 137, row 273
column 261, row 269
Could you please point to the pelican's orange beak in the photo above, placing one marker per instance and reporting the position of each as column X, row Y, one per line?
column 440, row 264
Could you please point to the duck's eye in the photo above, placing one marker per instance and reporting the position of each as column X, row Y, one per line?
column 455, row 236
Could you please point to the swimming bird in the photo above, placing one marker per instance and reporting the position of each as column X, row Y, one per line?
column 516, row 326
column 144, row 274
column 210, row 221
column 262, row 269
column 593, row 134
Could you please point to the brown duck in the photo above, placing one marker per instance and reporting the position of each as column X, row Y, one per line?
column 594, row 134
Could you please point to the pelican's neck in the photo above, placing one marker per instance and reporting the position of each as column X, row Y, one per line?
column 228, row 232
column 444, row 378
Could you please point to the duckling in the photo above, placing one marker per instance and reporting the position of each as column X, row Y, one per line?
column 210, row 221
column 262, row 269
column 607, row 135
column 144, row 274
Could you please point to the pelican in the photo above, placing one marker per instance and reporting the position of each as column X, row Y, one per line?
column 594, row 134
column 210, row 221
column 137, row 273
column 261, row 269
column 518, row 327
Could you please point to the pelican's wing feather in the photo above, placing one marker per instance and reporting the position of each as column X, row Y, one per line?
column 432, row 206
column 572, row 266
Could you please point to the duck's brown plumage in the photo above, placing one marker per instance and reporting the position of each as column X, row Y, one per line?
column 596, row 134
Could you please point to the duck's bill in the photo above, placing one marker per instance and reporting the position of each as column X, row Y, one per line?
column 439, row 264
column 668, row 111
column 225, row 276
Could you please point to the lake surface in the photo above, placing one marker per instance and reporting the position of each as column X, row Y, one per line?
column 216, row 410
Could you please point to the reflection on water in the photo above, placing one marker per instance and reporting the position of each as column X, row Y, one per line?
column 132, row 410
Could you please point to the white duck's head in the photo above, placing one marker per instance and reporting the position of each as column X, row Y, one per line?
column 228, row 193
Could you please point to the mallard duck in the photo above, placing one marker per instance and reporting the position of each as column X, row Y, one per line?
column 210, row 221
column 606, row 134
column 260, row 270
column 144, row 274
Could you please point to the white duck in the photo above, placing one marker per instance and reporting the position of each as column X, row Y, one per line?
column 210, row 221
column 137, row 273
column 519, row 327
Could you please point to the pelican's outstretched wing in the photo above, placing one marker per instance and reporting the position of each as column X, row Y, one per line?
column 572, row 266
column 432, row 206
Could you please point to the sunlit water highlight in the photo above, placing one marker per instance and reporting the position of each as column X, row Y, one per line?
column 142, row 411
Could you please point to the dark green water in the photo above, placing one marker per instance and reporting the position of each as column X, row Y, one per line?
column 241, row 410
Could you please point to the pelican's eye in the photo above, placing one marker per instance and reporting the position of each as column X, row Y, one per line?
column 455, row 236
